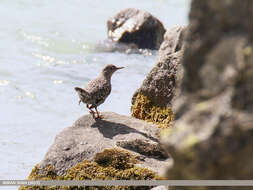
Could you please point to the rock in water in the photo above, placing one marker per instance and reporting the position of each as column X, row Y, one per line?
column 133, row 26
column 212, row 136
column 152, row 100
column 117, row 147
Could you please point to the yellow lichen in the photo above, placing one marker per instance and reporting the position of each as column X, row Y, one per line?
column 191, row 141
column 247, row 50
column 111, row 164
column 144, row 109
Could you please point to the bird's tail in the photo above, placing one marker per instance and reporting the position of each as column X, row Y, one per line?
column 81, row 92
column 78, row 89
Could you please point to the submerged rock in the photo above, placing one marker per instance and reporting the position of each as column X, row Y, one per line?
column 136, row 26
column 152, row 100
column 110, row 46
column 212, row 135
column 117, row 147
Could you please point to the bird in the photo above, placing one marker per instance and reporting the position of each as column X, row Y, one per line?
column 97, row 90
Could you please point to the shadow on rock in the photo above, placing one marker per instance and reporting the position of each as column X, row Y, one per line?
column 110, row 129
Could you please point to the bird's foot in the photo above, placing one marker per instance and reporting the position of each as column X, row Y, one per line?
column 99, row 116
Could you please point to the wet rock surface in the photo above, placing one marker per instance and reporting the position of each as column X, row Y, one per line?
column 133, row 26
column 212, row 135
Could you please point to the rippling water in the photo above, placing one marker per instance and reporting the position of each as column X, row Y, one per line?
column 46, row 49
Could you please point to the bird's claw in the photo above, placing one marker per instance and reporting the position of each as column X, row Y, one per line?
column 96, row 115
column 99, row 117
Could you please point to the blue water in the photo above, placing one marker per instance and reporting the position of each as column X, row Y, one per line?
column 46, row 49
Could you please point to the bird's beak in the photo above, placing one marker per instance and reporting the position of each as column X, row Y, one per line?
column 120, row 68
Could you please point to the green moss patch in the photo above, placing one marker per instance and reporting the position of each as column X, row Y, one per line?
column 111, row 164
column 144, row 109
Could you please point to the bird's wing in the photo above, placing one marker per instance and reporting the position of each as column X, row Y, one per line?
column 98, row 89
column 100, row 97
column 93, row 85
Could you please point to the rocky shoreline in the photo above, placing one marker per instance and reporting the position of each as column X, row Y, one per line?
column 192, row 115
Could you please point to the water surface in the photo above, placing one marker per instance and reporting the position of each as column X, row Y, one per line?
column 46, row 49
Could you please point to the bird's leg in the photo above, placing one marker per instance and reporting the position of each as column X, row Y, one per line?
column 79, row 102
column 98, row 116
column 91, row 111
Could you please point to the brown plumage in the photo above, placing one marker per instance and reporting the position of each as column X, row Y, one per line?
column 97, row 90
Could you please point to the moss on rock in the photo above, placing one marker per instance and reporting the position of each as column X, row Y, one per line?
column 116, row 158
column 111, row 164
column 91, row 170
column 144, row 109
column 48, row 173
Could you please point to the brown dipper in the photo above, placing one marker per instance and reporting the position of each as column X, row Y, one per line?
column 97, row 90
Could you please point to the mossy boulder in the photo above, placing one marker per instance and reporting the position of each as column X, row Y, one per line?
column 212, row 133
column 110, row 164
column 96, row 149
column 152, row 101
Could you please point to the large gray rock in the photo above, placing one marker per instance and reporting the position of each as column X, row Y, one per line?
column 230, row 25
column 212, row 135
column 87, row 137
column 136, row 26
column 160, row 83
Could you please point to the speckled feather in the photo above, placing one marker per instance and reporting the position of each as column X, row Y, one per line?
column 95, row 92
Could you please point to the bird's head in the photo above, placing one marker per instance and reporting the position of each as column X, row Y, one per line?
column 108, row 70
